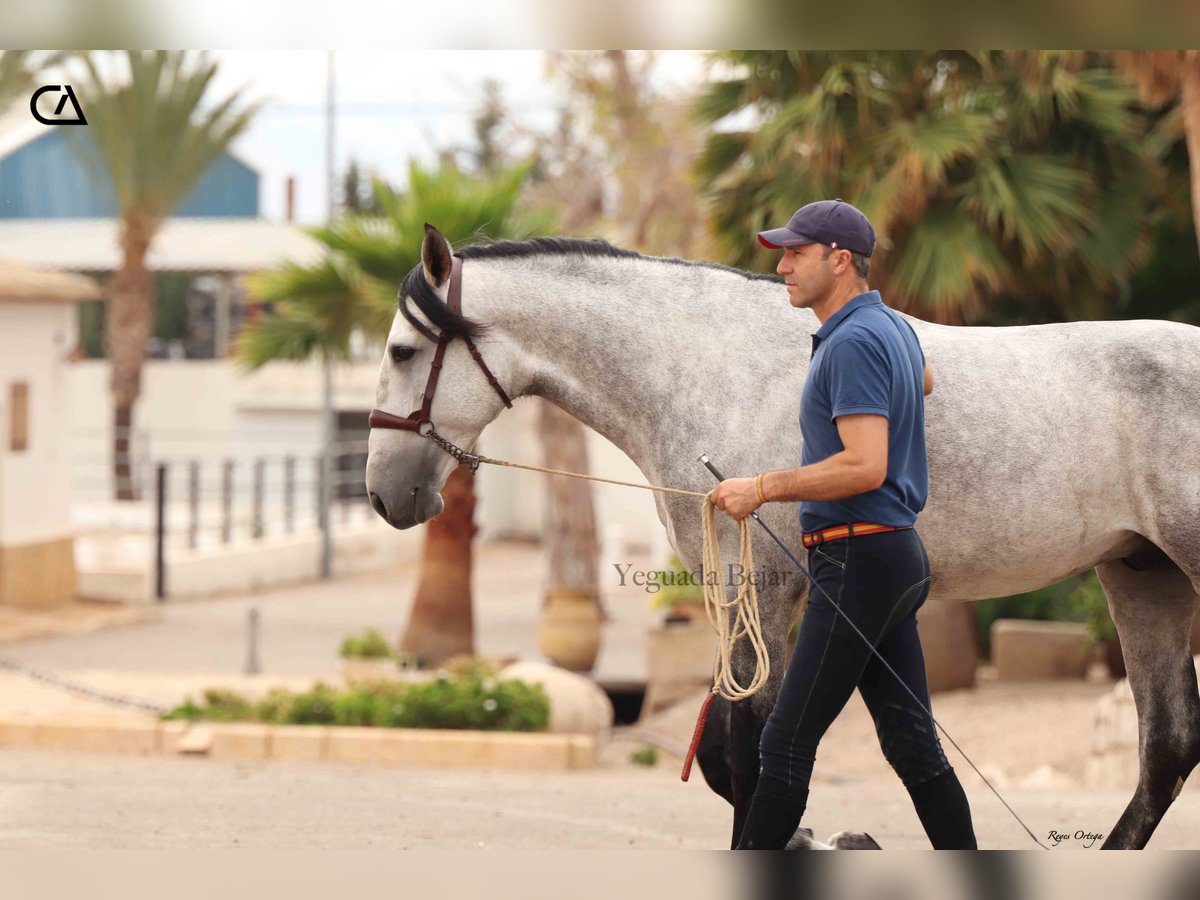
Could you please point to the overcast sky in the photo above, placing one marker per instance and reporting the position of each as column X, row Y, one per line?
column 392, row 106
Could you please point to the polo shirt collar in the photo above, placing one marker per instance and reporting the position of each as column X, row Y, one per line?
column 869, row 298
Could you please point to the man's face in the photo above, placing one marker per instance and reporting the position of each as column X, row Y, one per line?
column 809, row 278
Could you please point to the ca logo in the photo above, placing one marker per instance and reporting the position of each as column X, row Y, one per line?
column 68, row 94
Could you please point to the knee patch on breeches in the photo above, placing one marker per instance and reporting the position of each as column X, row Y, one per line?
column 910, row 743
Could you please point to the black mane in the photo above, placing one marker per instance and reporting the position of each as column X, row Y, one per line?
column 572, row 246
column 429, row 303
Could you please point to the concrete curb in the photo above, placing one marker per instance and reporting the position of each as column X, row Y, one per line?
column 75, row 619
column 249, row 741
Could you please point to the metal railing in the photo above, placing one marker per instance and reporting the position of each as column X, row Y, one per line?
column 216, row 495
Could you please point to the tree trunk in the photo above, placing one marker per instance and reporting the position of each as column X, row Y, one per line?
column 569, row 633
column 127, row 332
column 571, row 541
column 1189, row 88
column 441, row 622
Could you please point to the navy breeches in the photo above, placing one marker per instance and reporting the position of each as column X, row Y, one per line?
column 879, row 581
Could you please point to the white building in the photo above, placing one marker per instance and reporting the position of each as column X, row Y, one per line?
column 206, row 410
column 37, row 335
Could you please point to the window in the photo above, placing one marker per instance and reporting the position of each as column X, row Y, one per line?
column 18, row 425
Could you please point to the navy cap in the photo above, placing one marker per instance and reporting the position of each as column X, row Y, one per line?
column 832, row 222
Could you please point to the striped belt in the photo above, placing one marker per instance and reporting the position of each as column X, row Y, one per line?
column 837, row 532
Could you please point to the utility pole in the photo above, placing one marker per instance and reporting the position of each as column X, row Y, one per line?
column 327, row 423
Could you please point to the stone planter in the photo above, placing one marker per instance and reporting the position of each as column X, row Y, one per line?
column 577, row 704
column 1028, row 650
column 679, row 662
column 950, row 644
column 569, row 631
column 685, row 614
column 359, row 670
column 1113, row 656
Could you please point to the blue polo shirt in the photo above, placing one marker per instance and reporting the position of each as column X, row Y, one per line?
column 867, row 359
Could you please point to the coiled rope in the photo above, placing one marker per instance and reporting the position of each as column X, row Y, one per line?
column 732, row 619
column 745, row 617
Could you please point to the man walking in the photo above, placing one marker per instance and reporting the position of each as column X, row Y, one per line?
column 862, row 481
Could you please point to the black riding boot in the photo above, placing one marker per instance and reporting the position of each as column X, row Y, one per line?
column 773, row 817
column 941, row 806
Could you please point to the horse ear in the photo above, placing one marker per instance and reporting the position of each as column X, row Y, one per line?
column 435, row 256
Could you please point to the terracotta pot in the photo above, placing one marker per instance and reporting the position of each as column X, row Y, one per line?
column 569, row 631
column 684, row 614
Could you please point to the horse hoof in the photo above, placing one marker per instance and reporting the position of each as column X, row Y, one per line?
column 843, row 840
column 853, row 840
column 803, row 840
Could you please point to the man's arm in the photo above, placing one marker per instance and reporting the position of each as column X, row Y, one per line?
column 860, row 467
column 928, row 379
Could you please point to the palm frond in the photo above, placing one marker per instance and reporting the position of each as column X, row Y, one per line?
column 151, row 136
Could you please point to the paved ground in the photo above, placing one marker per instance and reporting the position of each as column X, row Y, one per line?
column 48, row 800
column 1031, row 741
column 77, row 617
column 303, row 625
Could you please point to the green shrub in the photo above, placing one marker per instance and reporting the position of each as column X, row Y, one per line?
column 316, row 706
column 647, row 756
column 1092, row 605
column 220, row 705
column 469, row 702
column 274, row 708
column 368, row 645
column 1056, row 603
column 188, row 711
column 678, row 586
column 466, row 666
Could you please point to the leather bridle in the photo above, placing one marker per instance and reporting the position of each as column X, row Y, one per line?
column 420, row 417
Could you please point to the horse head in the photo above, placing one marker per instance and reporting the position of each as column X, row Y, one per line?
column 432, row 383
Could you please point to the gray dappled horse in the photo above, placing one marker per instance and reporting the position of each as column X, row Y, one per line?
column 1052, row 449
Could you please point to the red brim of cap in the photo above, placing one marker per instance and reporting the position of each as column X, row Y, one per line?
column 778, row 238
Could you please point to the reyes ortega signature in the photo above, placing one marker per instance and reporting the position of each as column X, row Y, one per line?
column 1083, row 838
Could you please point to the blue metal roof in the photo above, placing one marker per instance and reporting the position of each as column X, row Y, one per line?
column 44, row 179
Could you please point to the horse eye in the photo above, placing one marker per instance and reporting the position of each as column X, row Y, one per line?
column 402, row 354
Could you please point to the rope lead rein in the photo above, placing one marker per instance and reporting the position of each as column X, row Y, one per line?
column 782, row 546
column 717, row 607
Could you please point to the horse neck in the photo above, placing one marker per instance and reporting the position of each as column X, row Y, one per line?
column 639, row 350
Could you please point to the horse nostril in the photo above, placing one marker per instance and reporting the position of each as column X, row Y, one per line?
column 377, row 504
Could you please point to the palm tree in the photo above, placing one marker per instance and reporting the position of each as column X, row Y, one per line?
column 151, row 137
column 18, row 71
column 1164, row 76
column 318, row 307
column 1018, row 176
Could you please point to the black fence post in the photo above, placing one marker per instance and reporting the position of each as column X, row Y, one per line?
column 343, row 496
column 160, row 534
column 227, row 501
column 193, row 503
column 253, row 641
column 289, row 494
column 260, row 466
column 320, row 484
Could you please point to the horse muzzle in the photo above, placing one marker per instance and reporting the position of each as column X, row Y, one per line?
column 403, row 511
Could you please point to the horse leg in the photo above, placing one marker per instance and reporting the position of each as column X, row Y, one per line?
column 728, row 753
column 748, row 717
column 712, row 753
column 1153, row 608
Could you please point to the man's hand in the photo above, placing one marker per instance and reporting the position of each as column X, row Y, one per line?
column 736, row 496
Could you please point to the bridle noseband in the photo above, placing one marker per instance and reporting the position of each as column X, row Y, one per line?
column 414, row 420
